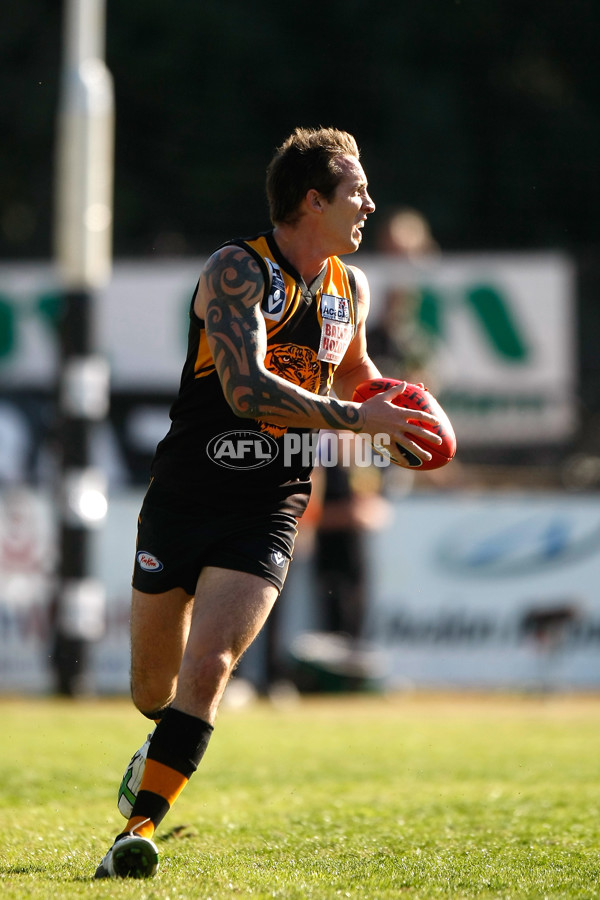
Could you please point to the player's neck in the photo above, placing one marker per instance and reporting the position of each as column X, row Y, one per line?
column 301, row 249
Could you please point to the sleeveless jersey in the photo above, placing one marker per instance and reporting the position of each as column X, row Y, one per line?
column 209, row 453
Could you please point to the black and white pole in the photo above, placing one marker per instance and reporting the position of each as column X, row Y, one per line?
column 83, row 251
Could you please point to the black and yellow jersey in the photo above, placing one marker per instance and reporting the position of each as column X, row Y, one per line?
column 210, row 453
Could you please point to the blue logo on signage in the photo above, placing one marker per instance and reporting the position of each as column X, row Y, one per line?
column 519, row 546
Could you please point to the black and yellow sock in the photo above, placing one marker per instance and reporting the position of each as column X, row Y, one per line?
column 177, row 746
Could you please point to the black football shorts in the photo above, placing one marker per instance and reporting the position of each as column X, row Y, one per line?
column 176, row 540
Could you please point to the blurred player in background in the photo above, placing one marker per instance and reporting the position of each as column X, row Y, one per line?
column 276, row 321
column 351, row 506
column 351, row 498
column 399, row 343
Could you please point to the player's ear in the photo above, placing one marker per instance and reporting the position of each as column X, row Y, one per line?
column 314, row 200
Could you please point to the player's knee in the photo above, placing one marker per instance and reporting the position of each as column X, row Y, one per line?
column 150, row 700
column 209, row 672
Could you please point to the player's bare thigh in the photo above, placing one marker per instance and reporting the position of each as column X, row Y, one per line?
column 160, row 625
column 230, row 609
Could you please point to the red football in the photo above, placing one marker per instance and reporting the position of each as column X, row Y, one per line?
column 417, row 397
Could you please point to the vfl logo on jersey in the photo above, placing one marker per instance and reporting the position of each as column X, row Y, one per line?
column 148, row 562
column 335, row 309
column 278, row 558
column 274, row 305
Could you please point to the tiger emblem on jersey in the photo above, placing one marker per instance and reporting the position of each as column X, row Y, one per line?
column 296, row 364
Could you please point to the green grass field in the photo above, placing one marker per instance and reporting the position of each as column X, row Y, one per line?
column 371, row 797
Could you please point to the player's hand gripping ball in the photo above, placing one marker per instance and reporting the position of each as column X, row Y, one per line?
column 416, row 397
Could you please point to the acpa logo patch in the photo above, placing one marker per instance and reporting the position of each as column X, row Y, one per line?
column 335, row 309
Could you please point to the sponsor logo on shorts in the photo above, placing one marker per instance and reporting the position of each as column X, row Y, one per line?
column 278, row 558
column 242, row 449
column 148, row 562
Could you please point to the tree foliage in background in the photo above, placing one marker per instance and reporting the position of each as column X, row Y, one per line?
column 484, row 114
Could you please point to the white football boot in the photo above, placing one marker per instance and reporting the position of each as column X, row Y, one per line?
column 131, row 856
column 130, row 783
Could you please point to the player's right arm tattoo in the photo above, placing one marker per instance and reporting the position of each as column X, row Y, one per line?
column 235, row 328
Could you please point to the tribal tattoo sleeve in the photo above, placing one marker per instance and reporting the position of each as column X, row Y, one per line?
column 233, row 285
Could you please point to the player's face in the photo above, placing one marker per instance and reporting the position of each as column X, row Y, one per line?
column 346, row 214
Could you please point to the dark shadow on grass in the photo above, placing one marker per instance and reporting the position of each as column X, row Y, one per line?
column 179, row 833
